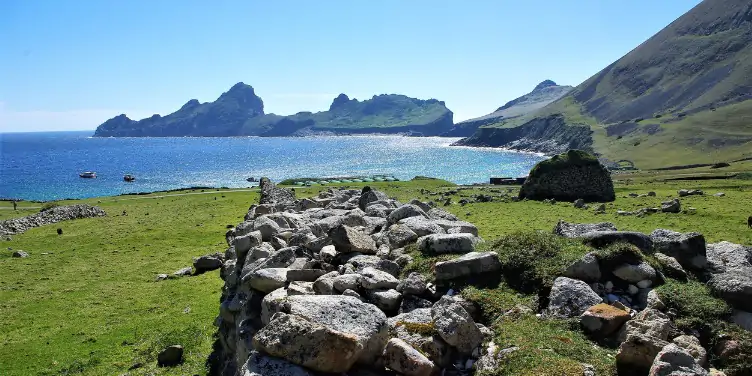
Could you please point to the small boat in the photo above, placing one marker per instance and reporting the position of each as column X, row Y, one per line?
column 88, row 175
column 129, row 178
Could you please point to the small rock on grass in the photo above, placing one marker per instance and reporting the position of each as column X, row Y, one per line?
column 170, row 356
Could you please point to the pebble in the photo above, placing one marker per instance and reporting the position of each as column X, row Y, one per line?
column 632, row 289
column 609, row 286
column 645, row 283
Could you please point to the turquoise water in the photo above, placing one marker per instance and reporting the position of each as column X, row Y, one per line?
column 45, row 166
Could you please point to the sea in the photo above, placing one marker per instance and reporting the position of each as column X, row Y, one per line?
column 45, row 166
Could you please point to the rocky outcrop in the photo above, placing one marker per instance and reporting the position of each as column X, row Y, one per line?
column 731, row 273
column 49, row 216
column 309, row 285
column 550, row 135
column 568, row 177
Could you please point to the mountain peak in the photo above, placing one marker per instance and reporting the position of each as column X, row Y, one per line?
column 339, row 101
column 544, row 84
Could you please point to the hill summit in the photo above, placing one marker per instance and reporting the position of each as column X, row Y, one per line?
column 681, row 97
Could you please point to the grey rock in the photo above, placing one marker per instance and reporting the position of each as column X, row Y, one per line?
column 262, row 365
column 378, row 210
column 387, row 300
column 469, row 264
column 245, row 242
column 347, row 282
column 348, row 239
column 692, row 345
column 673, row 360
column 673, row 206
column 571, row 297
column 399, row 235
column 361, row 262
column 585, row 269
column 576, row 230
column 305, row 275
column 369, row 196
column 432, row 345
column 654, row 301
column 266, row 226
column 403, row 358
column 688, row 249
column 743, row 319
column 279, row 259
column 268, row 279
column 455, row 325
column 207, row 263
column 300, row 288
column 422, row 226
column 308, row 344
column 376, row 279
column 405, row 211
column 347, row 315
column 414, row 284
column 731, row 268
column 636, row 273
column 438, row 213
column 447, row 243
column 690, row 192
column 352, row 293
column 324, row 285
column 183, row 272
column 24, row 254
column 579, row 203
column 272, row 303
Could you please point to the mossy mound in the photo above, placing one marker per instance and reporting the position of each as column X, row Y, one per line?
column 569, row 176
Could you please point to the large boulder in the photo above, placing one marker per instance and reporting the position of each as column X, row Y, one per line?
column 422, row 226
column 455, row 325
column 207, row 263
column 405, row 211
column 372, row 278
column 369, row 195
column 308, row 344
column 447, row 243
column 689, row 249
column 413, row 284
column 469, row 264
column 403, row 358
column 345, row 314
column 567, row 177
column 349, row 239
column 634, row 273
column 731, row 265
column 571, row 297
column 671, row 206
column 417, row 328
column 268, row 279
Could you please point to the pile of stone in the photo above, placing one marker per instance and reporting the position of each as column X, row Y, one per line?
column 312, row 285
column 614, row 298
column 49, row 216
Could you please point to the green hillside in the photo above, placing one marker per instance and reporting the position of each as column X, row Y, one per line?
column 681, row 97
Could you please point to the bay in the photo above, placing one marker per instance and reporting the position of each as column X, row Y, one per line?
column 45, row 166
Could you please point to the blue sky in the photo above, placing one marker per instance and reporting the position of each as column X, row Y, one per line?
column 70, row 65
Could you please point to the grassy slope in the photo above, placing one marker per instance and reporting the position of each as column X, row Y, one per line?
column 92, row 307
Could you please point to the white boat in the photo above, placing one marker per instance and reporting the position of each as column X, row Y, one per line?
column 88, row 175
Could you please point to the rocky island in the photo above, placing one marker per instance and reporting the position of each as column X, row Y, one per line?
column 240, row 112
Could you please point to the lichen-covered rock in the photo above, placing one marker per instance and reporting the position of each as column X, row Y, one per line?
column 472, row 263
column 447, row 243
column 567, row 177
column 672, row 360
column 455, row 325
column 271, row 194
column 349, row 239
column 692, row 345
column 643, row 338
column 571, row 297
column 731, row 273
column 688, row 249
column 398, row 236
column 262, row 365
column 268, row 279
column 405, row 211
column 308, row 344
column 413, row 284
column 577, row 230
column 347, row 315
column 422, row 226
column 417, row 328
column 603, row 319
column 368, row 196
column 372, row 278
column 672, row 206
column 388, row 300
column 403, row 358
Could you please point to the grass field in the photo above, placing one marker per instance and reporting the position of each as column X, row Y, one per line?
column 91, row 306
